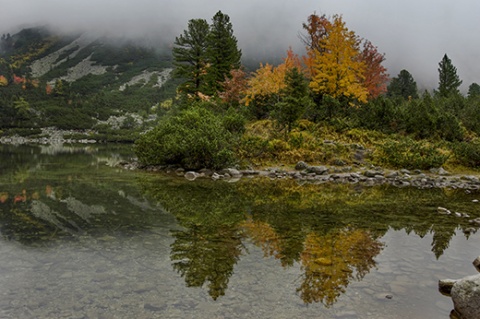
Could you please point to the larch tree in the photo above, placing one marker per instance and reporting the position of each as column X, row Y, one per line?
column 449, row 82
column 338, row 72
column 375, row 75
column 222, row 52
column 190, row 57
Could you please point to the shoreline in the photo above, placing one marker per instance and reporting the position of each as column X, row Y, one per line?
column 302, row 172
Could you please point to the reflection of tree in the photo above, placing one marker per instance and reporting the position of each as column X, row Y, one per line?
column 263, row 235
column 330, row 262
column 207, row 254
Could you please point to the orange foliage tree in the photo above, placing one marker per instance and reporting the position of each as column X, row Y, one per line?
column 375, row 74
column 234, row 87
column 269, row 80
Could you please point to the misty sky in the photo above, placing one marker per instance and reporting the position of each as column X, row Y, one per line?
column 413, row 34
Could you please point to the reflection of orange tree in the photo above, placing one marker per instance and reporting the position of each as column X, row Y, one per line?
column 207, row 254
column 330, row 262
column 263, row 235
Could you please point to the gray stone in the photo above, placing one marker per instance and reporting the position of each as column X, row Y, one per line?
column 443, row 211
column 405, row 171
column 445, row 286
column 476, row 263
column 466, row 297
column 370, row 173
column 442, row 172
column 191, row 176
column 318, row 170
column 301, row 166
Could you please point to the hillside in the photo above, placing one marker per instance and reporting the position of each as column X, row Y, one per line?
column 79, row 81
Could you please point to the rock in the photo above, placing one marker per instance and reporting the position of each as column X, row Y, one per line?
column 476, row 263
column 475, row 201
column 233, row 172
column 180, row 171
column 191, row 176
column 442, row 172
column 405, row 171
column 443, row 211
column 301, row 166
column 475, row 221
column 216, row 176
column 445, row 286
column 318, row 170
column 370, row 173
column 206, row 172
column 466, row 297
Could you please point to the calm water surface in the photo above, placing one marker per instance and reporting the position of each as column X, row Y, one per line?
column 81, row 238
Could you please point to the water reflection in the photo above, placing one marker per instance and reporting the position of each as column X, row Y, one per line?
column 44, row 197
column 330, row 234
column 331, row 231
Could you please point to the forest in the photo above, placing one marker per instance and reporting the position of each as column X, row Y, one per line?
column 319, row 106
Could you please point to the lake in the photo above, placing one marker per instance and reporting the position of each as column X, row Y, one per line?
column 82, row 238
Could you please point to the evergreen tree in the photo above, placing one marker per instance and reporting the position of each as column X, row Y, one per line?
column 403, row 85
column 295, row 100
column 190, row 58
column 449, row 82
column 222, row 52
column 474, row 90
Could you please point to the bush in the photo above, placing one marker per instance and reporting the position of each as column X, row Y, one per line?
column 195, row 138
column 467, row 154
column 410, row 154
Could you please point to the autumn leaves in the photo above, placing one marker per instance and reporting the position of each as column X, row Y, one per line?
column 336, row 64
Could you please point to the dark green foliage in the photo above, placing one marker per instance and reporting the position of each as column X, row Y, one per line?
column 234, row 121
column 449, row 82
column 190, row 59
column 222, row 52
column 381, row 114
column 403, row 85
column 204, row 55
column 467, row 154
column 295, row 100
column 195, row 138
column 474, row 91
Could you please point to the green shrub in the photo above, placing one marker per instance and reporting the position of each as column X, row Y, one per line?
column 467, row 154
column 195, row 138
column 411, row 154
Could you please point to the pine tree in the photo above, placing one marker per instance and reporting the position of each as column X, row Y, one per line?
column 222, row 52
column 403, row 85
column 449, row 82
column 190, row 57
column 295, row 99
column 474, row 90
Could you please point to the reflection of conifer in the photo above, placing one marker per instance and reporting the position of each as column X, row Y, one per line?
column 207, row 254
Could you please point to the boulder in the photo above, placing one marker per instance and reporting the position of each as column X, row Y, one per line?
column 466, row 297
column 318, row 170
column 301, row 166
column 445, row 286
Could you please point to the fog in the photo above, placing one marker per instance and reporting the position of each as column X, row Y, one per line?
column 414, row 35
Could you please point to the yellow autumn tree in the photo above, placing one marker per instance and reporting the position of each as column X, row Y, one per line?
column 337, row 70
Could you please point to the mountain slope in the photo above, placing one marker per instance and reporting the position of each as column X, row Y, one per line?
column 75, row 81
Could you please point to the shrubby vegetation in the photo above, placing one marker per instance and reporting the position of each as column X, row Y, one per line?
column 194, row 138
